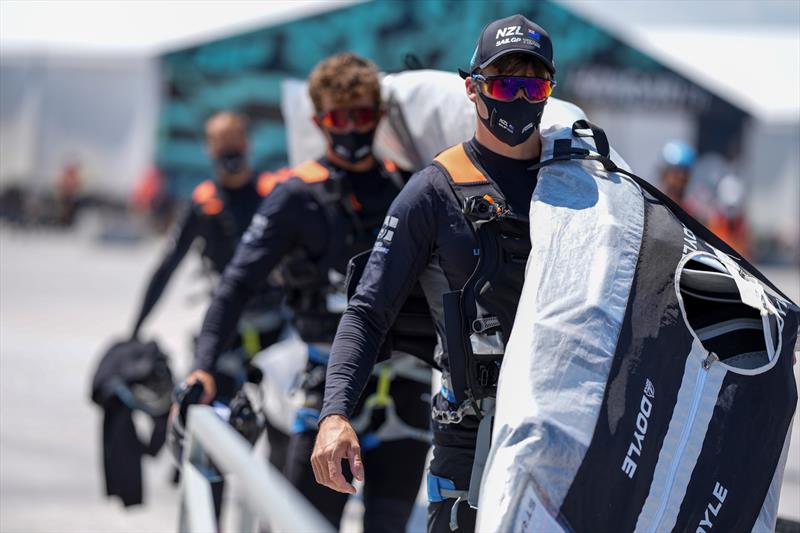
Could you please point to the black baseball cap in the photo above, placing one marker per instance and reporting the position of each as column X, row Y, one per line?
column 511, row 34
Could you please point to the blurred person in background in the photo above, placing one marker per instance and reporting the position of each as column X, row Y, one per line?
column 720, row 208
column 219, row 213
column 727, row 219
column 303, row 235
column 68, row 187
column 677, row 160
column 150, row 197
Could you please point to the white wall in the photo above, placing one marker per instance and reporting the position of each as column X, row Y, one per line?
column 771, row 165
column 100, row 111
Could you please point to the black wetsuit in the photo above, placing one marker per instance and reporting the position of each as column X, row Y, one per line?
column 218, row 216
column 306, row 227
column 431, row 242
column 219, row 226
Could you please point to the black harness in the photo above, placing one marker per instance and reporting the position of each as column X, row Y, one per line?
column 479, row 317
column 311, row 282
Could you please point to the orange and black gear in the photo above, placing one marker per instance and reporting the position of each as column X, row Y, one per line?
column 207, row 198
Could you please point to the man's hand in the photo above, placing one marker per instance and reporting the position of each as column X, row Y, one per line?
column 209, row 385
column 336, row 440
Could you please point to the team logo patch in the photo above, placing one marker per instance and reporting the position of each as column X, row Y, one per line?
column 386, row 234
column 256, row 229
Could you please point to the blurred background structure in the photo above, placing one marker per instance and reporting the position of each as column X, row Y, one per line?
column 648, row 72
column 101, row 113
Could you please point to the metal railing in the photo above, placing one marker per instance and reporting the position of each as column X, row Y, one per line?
column 266, row 495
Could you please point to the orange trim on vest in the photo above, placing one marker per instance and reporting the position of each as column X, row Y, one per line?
column 355, row 204
column 213, row 207
column 390, row 165
column 204, row 192
column 205, row 195
column 268, row 180
column 460, row 167
column 311, row 172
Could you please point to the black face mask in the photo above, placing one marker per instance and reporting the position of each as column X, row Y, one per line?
column 512, row 122
column 354, row 146
column 230, row 162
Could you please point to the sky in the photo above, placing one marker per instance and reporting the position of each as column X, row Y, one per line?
column 137, row 27
column 150, row 26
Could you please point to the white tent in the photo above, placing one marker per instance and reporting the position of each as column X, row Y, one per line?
column 79, row 81
column 747, row 53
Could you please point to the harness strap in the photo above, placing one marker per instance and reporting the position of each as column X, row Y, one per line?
column 382, row 397
column 479, row 198
column 251, row 340
column 392, row 171
column 393, row 427
column 440, row 489
column 482, row 445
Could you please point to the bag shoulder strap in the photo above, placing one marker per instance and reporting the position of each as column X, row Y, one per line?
column 391, row 171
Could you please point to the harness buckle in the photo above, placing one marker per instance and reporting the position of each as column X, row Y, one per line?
column 454, row 514
column 482, row 208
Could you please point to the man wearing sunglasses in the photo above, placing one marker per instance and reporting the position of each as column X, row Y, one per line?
column 303, row 236
column 433, row 241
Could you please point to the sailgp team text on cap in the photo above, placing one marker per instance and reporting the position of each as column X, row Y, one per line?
column 511, row 34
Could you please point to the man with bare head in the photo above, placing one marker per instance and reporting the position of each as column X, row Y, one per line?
column 227, row 145
column 219, row 213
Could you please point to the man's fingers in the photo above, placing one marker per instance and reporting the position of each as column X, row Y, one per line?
column 356, row 466
column 315, row 468
column 321, row 472
column 337, row 480
column 336, row 442
column 209, row 386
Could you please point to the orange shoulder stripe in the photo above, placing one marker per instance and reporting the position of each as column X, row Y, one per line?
column 461, row 169
column 205, row 195
column 268, row 180
column 311, row 172
column 204, row 192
